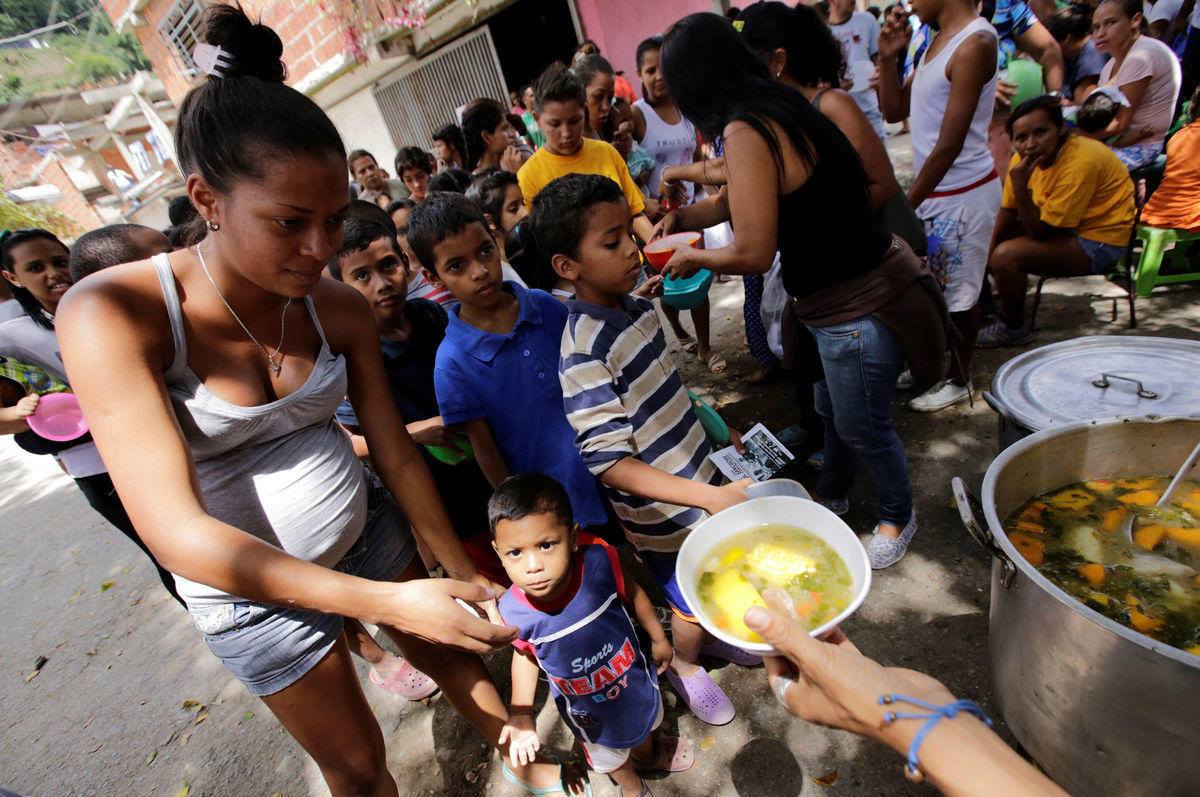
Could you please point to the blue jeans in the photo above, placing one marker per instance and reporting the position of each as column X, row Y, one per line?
column 862, row 361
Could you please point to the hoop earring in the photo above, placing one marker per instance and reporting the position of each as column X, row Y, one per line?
column 212, row 225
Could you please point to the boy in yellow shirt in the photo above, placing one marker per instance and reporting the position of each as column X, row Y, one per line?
column 558, row 107
column 1067, row 211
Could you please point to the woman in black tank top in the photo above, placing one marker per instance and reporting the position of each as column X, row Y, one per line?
column 795, row 184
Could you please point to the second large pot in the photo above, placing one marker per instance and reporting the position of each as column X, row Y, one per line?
column 1102, row 708
column 1094, row 378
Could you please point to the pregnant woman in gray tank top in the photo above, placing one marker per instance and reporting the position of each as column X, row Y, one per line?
column 210, row 379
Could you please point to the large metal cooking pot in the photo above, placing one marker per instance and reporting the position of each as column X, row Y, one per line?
column 1092, row 378
column 1102, row 708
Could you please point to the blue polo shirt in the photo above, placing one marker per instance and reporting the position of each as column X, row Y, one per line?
column 512, row 380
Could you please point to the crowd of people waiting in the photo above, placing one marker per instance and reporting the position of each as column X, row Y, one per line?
column 507, row 409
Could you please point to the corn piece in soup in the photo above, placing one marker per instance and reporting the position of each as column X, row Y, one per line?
column 735, row 572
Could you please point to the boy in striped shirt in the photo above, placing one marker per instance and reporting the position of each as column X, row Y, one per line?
column 634, row 422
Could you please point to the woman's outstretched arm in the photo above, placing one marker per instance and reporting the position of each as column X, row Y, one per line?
column 116, row 344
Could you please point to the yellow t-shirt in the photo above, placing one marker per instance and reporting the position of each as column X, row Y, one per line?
column 1087, row 189
column 594, row 157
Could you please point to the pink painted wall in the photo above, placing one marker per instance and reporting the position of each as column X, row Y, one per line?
column 617, row 26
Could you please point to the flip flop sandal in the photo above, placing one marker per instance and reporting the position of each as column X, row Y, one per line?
column 408, row 682
column 671, row 754
column 511, row 777
column 703, row 697
column 688, row 343
column 716, row 363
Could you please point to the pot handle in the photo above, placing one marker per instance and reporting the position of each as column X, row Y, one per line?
column 997, row 405
column 966, row 503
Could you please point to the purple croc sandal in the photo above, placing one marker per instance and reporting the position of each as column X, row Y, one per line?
column 703, row 697
column 731, row 654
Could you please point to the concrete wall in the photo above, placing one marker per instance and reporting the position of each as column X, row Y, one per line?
column 617, row 26
column 362, row 127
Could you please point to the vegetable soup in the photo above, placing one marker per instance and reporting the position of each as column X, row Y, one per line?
column 1072, row 536
column 736, row 572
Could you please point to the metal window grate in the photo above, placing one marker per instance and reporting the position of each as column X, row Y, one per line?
column 180, row 30
column 423, row 96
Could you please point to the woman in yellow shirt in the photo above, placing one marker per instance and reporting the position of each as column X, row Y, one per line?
column 1067, row 211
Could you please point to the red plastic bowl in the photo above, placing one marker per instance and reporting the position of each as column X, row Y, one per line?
column 58, row 418
column 659, row 251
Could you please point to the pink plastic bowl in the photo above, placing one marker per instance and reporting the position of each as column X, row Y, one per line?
column 58, row 417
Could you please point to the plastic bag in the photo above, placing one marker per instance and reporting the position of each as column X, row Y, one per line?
column 774, row 300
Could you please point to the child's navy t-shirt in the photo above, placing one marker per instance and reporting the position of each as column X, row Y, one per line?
column 408, row 366
column 512, row 381
column 605, row 688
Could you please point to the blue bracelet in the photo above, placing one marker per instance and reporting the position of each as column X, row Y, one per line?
column 912, row 770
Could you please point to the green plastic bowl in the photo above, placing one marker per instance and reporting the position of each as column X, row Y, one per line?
column 684, row 294
column 452, row 455
column 1028, row 77
column 714, row 427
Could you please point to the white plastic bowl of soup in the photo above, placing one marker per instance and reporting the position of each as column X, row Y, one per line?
column 782, row 542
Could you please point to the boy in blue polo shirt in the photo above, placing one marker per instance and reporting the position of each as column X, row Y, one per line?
column 496, row 371
column 635, row 426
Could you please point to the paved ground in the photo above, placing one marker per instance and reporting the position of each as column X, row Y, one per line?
column 129, row 701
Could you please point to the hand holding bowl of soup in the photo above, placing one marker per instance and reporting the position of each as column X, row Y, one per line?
column 774, row 543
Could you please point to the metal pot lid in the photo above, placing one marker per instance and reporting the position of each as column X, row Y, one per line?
column 1099, row 377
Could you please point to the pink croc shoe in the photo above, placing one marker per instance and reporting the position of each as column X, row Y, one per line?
column 408, row 682
column 703, row 697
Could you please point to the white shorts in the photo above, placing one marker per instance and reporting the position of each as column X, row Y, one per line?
column 609, row 759
column 959, row 228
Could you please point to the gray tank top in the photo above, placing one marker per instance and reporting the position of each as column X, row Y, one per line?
column 283, row 471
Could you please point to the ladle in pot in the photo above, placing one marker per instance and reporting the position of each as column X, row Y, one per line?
column 1127, row 526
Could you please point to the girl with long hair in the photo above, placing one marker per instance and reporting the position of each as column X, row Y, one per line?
column 795, row 184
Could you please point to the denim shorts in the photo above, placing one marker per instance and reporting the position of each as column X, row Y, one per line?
column 1104, row 257
column 269, row 648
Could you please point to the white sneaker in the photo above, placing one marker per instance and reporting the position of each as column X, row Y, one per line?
column 906, row 381
column 942, row 395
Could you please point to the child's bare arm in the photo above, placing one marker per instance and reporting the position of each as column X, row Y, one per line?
column 893, row 97
column 520, row 731
column 357, row 440
column 971, row 67
column 524, row 682
column 705, row 172
column 12, row 419
column 660, row 648
column 637, row 478
column 487, row 453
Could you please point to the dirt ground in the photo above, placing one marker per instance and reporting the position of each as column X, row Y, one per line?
column 129, row 701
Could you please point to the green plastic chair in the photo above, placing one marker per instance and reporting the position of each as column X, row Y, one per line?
column 1155, row 240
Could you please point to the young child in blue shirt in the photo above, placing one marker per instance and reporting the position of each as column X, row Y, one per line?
column 496, row 371
column 635, row 426
column 571, row 602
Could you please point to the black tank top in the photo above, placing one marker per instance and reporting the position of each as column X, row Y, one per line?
column 828, row 232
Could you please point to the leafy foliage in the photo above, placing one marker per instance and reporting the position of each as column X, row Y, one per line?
column 19, row 217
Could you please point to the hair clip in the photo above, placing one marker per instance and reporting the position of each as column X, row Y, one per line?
column 211, row 59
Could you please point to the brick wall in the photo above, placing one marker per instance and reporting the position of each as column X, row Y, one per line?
column 17, row 163
column 311, row 37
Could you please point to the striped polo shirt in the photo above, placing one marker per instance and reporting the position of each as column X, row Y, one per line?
column 624, row 398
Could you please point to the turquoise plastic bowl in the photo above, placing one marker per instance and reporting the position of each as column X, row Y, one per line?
column 684, row 294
